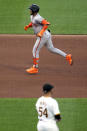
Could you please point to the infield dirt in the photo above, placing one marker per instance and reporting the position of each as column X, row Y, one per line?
column 16, row 56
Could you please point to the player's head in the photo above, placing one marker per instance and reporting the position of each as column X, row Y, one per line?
column 47, row 88
column 34, row 9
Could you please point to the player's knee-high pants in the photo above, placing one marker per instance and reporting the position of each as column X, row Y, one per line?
column 47, row 126
column 45, row 40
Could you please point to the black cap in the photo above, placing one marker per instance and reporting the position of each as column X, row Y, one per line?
column 35, row 8
column 47, row 88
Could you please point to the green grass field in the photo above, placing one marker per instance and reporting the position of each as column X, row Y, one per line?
column 65, row 16
column 20, row 114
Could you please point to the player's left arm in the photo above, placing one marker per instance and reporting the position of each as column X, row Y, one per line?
column 57, row 117
column 45, row 24
column 56, row 111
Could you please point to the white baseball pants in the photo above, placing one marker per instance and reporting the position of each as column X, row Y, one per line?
column 46, row 40
column 47, row 126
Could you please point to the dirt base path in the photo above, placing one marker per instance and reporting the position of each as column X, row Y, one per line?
column 16, row 56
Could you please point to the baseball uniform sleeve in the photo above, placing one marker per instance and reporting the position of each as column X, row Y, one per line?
column 37, row 105
column 56, row 108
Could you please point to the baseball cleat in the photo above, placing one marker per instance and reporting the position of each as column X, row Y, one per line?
column 32, row 70
column 69, row 59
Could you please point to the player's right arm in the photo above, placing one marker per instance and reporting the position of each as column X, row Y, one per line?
column 28, row 26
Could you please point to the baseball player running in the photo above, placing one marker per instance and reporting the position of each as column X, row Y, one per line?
column 40, row 25
column 48, row 111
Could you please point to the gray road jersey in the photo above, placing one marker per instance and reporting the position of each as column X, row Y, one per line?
column 36, row 21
